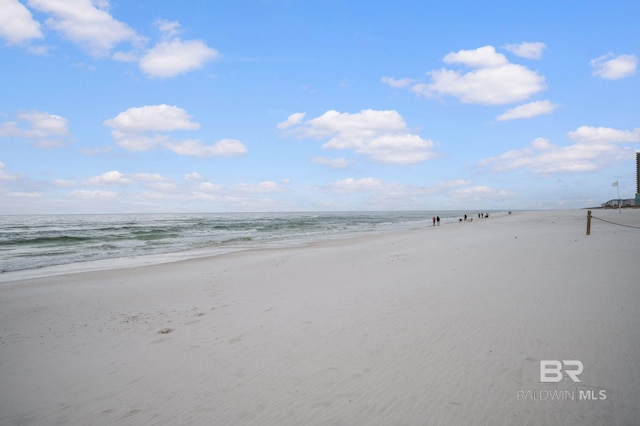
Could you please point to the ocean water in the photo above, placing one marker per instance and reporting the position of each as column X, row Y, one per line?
column 32, row 242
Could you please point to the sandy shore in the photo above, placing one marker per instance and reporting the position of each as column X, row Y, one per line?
column 440, row 325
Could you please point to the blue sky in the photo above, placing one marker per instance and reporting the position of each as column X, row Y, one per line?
column 277, row 105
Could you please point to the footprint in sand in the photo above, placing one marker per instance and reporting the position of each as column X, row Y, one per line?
column 236, row 339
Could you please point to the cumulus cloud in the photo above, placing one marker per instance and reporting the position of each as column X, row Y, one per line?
column 223, row 148
column 600, row 135
column 527, row 50
column 145, row 128
column 382, row 136
column 493, row 80
column 371, row 184
column 378, row 193
column 349, row 185
column 529, row 110
column 90, row 25
column 155, row 118
column 173, row 56
column 149, row 177
column 193, row 176
column 334, row 163
column 45, row 129
column 208, row 187
column 292, row 120
column 482, row 57
column 543, row 157
column 18, row 25
column 397, row 83
column 5, row 175
column 611, row 67
column 259, row 188
column 24, row 194
column 480, row 193
column 113, row 177
column 94, row 195
column 87, row 24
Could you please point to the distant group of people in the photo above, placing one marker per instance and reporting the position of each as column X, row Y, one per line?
column 480, row 216
column 436, row 219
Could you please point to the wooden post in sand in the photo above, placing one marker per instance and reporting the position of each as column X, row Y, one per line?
column 588, row 222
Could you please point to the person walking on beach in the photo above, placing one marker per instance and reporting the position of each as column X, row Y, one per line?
column 433, row 219
column 438, row 219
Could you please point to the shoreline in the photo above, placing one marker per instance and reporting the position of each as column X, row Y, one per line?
column 197, row 253
column 441, row 326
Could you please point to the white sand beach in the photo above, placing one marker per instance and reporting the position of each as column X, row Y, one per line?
column 439, row 325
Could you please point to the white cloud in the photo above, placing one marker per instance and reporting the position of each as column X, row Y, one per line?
column 480, row 193
column 47, row 130
column 139, row 142
column 334, row 163
column 63, row 183
column 292, row 120
column 149, row 180
column 173, row 56
column 113, row 177
column 149, row 177
column 131, row 56
column 487, row 86
column 259, row 188
column 209, row 187
column 603, row 135
column 87, row 23
column 492, row 81
column 377, row 193
column 163, row 187
column 169, row 28
column 23, row 195
column 4, row 175
column 38, row 50
column 380, row 135
column 194, row 176
column 611, row 67
column 482, row 57
column 397, row 83
column 542, row 157
column 18, row 25
column 137, row 129
column 349, row 185
column 453, row 183
column 94, row 195
column 527, row 50
column 532, row 109
column 152, row 118
column 223, row 148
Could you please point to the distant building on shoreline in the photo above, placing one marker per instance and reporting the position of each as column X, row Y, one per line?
column 637, row 178
column 628, row 202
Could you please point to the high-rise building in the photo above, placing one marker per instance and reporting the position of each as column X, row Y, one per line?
column 637, row 179
column 638, row 172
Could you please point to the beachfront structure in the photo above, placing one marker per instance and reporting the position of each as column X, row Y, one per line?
column 637, row 178
column 628, row 202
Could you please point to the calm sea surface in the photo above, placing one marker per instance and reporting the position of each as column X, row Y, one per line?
column 39, row 241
